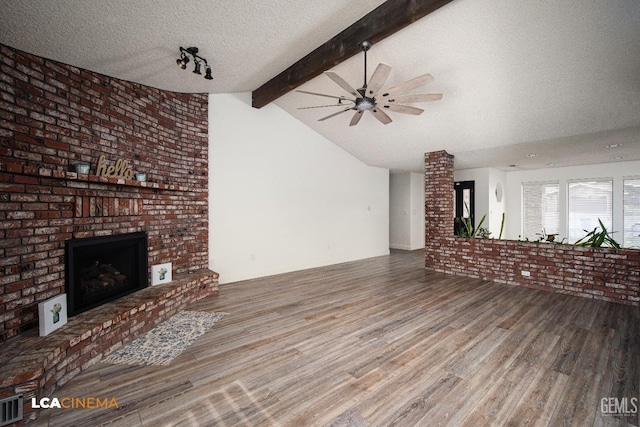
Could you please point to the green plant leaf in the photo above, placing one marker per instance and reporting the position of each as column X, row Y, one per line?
column 501, row 226
column 598, row 237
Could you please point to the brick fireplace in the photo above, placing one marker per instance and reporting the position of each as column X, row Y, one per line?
column 53, row 116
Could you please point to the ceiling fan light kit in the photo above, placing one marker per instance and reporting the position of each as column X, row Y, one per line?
column 367, row 98
column 197, row 61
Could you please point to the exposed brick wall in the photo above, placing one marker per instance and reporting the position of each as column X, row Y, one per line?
column 599, row 273
column 54, row 115
column 438, row 194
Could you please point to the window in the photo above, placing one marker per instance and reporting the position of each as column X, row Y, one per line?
column 631, row 213
column 589, row 201
column 540, row 209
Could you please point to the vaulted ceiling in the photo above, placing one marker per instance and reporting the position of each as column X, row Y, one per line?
column 531, row 84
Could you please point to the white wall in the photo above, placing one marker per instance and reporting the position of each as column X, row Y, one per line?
column 284, row 198
column 497, row 201
column 399, row 208
column 617, row 171
column 406, row 211
column 417, row 210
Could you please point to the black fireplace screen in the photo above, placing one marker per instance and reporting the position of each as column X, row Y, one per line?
column 102, row 269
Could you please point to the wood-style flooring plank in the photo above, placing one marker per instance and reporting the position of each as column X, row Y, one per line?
column 380, row 342
column 538, row 403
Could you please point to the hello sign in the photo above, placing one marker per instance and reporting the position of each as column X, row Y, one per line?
column 120, row 170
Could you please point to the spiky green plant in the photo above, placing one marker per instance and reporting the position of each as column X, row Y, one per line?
column 598, row 238
column 468, row 230
column 501, row 226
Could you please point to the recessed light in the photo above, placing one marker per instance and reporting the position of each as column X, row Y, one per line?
column 551, row 164
column 618, row 158
column 532, row 155
column 613, row 145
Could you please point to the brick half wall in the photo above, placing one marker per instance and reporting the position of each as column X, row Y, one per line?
column 599, row 273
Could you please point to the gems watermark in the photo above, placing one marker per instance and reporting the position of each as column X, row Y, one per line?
column 624, row 406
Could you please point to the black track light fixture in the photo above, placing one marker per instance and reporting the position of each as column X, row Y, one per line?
column 197, row 60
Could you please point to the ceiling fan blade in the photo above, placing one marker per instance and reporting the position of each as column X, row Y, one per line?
column 322, row 94
column 415, row 97
column 405, row 109
column 381, row 116
column 378, row 79
column 342, row 83
column 321, row 106
column 409, row 85
column 356, row 118
column 335, row 114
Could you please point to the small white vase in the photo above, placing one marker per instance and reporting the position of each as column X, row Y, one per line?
column 82, row 168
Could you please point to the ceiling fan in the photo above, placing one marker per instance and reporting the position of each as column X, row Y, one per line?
column 370, row 97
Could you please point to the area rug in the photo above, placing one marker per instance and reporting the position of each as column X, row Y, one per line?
column 166, row 341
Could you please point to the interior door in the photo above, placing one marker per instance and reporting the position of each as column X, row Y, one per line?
column 464, row 203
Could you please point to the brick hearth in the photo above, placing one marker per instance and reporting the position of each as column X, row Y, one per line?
column 37, row 366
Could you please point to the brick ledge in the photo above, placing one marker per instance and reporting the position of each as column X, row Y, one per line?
column 36, row 366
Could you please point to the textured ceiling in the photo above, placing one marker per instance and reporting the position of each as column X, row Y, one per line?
column 245, row 41
column 560, row 80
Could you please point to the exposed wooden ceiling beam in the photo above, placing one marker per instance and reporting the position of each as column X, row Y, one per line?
column 386, row 19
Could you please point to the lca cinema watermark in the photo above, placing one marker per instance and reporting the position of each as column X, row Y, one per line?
column 626, row 407
column 74, row 403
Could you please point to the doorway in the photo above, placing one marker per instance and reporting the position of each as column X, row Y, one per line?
column 464, row 201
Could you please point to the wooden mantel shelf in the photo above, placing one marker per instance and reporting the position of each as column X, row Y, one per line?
column 21, row 169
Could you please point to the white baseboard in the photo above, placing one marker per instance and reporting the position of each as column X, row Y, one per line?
column 401, row 247
column 248, row 275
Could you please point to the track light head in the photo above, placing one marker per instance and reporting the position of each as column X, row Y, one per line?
column 197, row 60
column 182, row 61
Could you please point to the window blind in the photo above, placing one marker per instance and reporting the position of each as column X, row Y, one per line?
column 631, row 210
column 589, row 200
column 541, row 210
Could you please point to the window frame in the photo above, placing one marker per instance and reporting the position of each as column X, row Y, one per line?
column 593, row 222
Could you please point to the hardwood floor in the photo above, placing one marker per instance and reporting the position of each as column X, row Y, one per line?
column 382, row 342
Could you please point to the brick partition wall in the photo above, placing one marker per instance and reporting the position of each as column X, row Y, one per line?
column 599, row 273
column 53, row 116
column 438, row 195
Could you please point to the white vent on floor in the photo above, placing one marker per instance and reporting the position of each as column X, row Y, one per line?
column 10, row 410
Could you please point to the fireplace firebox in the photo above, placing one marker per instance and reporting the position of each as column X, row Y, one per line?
column 102, row 269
